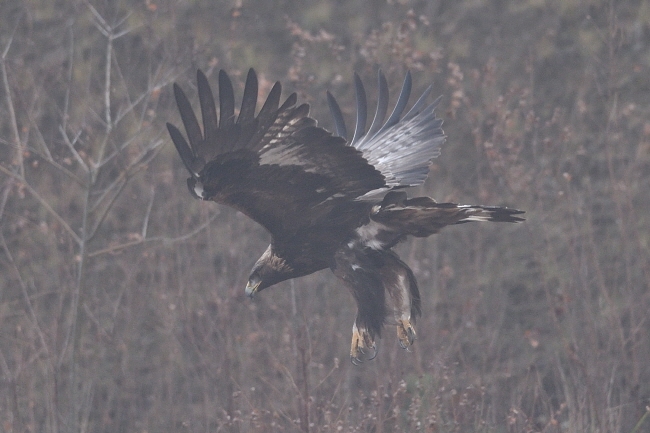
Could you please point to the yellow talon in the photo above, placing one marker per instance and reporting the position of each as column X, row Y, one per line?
column 361, row 342
column 405, row 333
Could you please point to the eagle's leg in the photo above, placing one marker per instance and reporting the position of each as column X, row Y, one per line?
column 363, row 345
column 404, row 298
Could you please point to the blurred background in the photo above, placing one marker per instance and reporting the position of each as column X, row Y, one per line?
column 122, row 302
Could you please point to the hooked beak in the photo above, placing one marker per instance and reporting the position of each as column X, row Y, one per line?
column 251, row 289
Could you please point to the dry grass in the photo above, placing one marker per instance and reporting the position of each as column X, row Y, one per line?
column 121, row 299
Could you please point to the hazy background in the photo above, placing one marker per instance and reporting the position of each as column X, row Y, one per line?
column 122, row 302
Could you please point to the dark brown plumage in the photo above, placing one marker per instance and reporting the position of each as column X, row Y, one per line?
column 326, row 201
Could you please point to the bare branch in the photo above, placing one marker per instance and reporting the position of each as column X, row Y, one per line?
column 129, row 108
column 28, row 302
column 163, row 239
column 120, row 149
column 46, row 156
column 45, row 151
column 43, row 203
column 122, row 181
column 10, row 107
column 66, row 101
column 144, row 96
column 140, row 162
column 5, row 197
column 74, row 152
column 108, row 31
column 100, row 23
column 145, row 223
column 107, row 89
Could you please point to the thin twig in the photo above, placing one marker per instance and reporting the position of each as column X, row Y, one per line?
column 642, row 420
column 66, row 100
column 100, row 220
column 44, row 149
column 163, row 239
column 145, row 223
column 141, row 160
column 43, row 203
column 131, row 107
column 28, row 302
column 107, row 88
column 108, row 31
column 120, row 149
column 10, row 106
column 45, row 154
column 73, row 333
column 104, row 27
column 5, row 196
column 73, row 151
column 140, row 163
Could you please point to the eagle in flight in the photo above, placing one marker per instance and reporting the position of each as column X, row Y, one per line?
column 328, row 201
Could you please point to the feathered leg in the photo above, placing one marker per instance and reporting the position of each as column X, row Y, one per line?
column 361, row 275
column 404, row 296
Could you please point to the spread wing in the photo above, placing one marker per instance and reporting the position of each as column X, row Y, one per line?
column 278, row 167
column 402, row 147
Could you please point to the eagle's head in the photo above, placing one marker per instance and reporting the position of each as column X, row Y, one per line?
column 269, row 269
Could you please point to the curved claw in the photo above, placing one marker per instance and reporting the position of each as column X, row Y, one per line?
column 405, row 333
column 410, row 333
column 374, row 352
column 357, row 360
column 363, row 346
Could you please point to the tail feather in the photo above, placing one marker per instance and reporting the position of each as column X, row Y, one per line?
column 422, row 216
column 489, row 213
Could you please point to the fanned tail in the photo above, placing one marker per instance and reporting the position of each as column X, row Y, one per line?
column 488, row 213
column 422, row 216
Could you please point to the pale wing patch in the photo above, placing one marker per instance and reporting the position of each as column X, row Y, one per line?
column 369, row 234
column 286, row 155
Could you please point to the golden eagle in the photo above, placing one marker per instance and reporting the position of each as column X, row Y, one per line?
column 327, row 201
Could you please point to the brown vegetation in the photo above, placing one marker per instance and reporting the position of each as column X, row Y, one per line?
column 122, row 301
